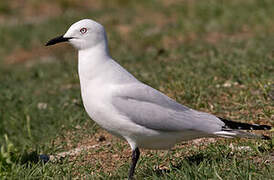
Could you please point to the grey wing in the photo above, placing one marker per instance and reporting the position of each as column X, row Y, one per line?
column 150, row 108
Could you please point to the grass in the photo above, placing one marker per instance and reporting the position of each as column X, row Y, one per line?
column 214, row 56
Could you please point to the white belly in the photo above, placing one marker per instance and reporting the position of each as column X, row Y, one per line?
column 97, row 103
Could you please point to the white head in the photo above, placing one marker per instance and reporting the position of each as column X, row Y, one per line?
column 84, row 34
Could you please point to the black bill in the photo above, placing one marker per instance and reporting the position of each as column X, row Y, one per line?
column 57, row 40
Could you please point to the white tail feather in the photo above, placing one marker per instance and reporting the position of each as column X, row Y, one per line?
column 232, row 134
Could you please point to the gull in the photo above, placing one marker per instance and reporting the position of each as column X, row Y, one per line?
column 132, row 110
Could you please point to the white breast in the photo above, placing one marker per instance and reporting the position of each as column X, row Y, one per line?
column 97, row 102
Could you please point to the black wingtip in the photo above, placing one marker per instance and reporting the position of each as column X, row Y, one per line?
column 243, row 126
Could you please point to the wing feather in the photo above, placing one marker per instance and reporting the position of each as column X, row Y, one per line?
column 152, row 109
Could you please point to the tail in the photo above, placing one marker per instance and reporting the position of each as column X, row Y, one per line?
column 233, row 129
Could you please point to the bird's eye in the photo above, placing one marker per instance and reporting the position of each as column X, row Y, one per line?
column 83, row 30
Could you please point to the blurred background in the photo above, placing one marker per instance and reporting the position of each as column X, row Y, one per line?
column 211, row 55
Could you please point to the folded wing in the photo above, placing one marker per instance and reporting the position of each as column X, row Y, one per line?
column 150, row 108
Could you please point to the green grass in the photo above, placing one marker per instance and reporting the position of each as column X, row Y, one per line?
column 214, row 56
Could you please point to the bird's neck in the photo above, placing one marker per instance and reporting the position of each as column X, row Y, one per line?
column 98, row 51
column 91, row 61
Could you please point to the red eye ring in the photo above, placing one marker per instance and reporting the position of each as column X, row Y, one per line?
column 83, row 30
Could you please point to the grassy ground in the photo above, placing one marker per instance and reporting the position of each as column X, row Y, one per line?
column 214, row 56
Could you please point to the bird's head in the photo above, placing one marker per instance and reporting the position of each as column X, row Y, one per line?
column 83, row 34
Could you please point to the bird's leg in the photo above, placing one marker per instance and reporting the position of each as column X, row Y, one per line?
column 135, row 157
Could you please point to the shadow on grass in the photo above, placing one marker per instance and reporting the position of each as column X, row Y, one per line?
column 33, row 157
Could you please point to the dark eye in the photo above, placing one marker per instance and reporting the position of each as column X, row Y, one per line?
column 83, row 30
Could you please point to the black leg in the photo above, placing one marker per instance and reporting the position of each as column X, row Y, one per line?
column 135, row 157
